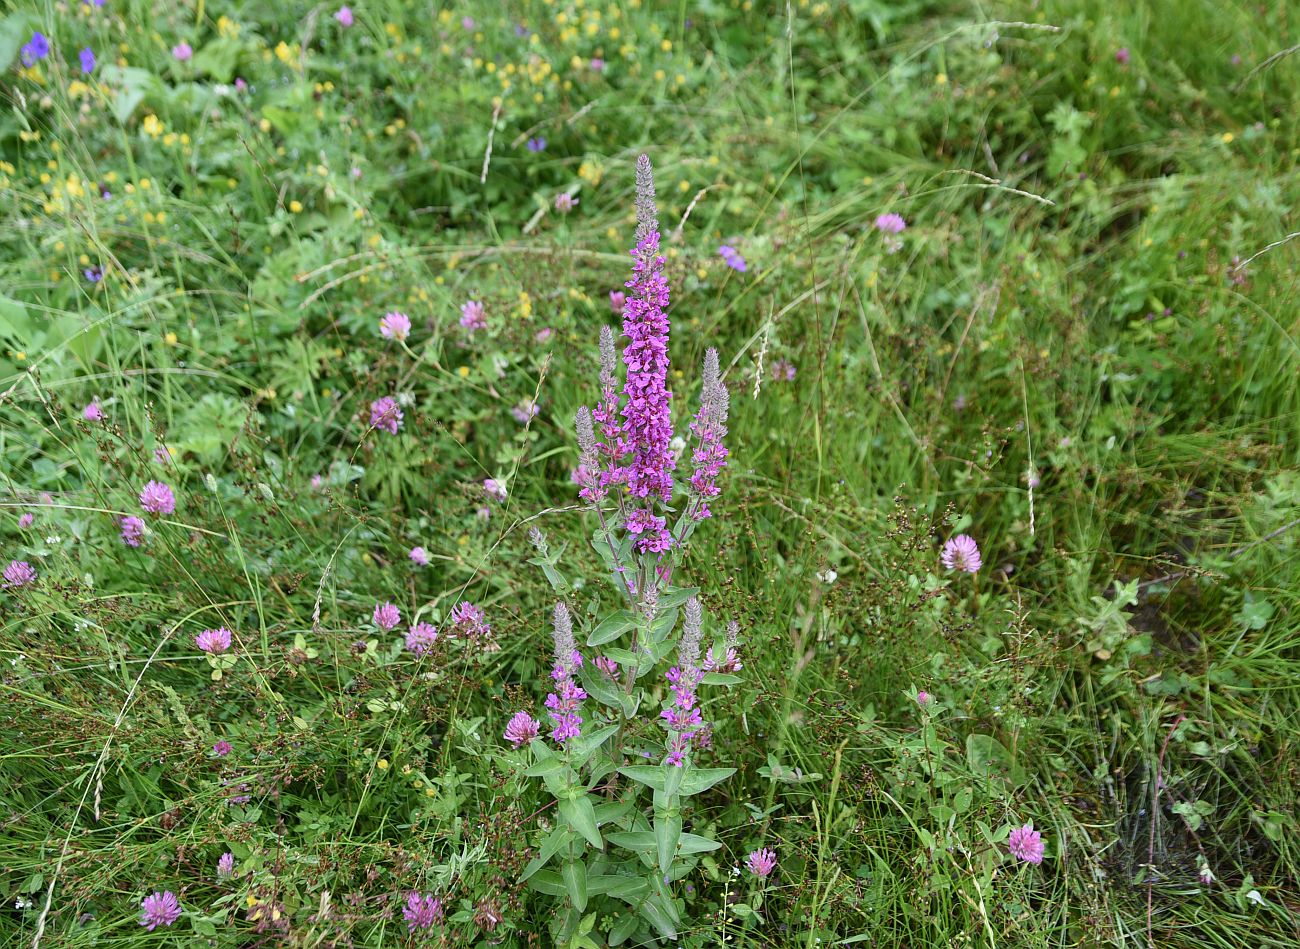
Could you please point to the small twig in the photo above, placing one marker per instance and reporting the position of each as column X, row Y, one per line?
column 1277, row 243
column 1281, row 54
column 996, row 183
column 492, row 132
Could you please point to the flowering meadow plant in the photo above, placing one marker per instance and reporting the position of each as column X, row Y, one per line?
column 624, row 803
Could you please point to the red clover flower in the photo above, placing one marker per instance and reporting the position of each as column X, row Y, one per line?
column 213, row 641
column 385, row 415
column 159, row 909
column 19, row 573
column 386, row 615
column 961, row 553
column 132, row 530
column 521, row 729
column 421, row 912
column 1026, row 844
column 157, row 498
column 761, row 862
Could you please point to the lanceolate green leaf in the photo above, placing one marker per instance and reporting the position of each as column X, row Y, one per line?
column 701, row 779
column 580, row 814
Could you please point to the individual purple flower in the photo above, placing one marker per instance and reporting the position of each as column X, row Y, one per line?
column 421, row 912
column 494, row 489
column 421, row 637
column 87, row 61
column 386, row 615
column 565, row 202
column 19, row 573
column 162, row 455
column 1122, row 56
column 467, row 23
column 782, row 370
column 222, row 748
column 524, row 412
column 891, row 224
column 597, row 64
column 761, row 862
column 93, row 274
column 226, row 866
column 607, row 666
column 521, row 729
column 213, row 641
column 473, row 316
column 731, row 257
column 544, row 334
column 923, row 698
column 159, row 909
column 182, row 51
column 132, row 530
column 344, row 16
column 93, row 412
column 419, row 556
column 961, row 553
column 385, row 415
column 25, row 520
column 35, row 49
column 617, row 298
column 395, row 326
column 709, row 428
column 157, row 498
column 537, row 144
column 564, row 703
column 1026, row 844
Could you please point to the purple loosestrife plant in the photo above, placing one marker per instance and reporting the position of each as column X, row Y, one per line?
column 623, row 766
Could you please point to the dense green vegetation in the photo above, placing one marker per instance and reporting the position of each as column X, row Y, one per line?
column 1083, row 351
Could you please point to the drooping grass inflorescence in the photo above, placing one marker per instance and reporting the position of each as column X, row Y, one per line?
column 623, row 793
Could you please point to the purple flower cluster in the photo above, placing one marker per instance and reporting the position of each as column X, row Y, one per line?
column 422, row 911
column 564, row 703
column 386, row 615
column 469, row 622
column 157, row 498
column 421, row 637
column 709, row 428
column 213, row 641
column 159, row 909
column 683, row 714
column 19, row 573
column 132, row 530
column 731, row 257
column 385, row 415
column 521, row 729
column 35, row 49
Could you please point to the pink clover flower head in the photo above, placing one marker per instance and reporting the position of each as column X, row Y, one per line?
column 386, row 615
column 157, row 498
column 473, row 316
column 421, row 912
column 783, row 370
column 159, row 909
column 470, row 621
column 395, row 325
column 494, row 489
column 213, row 641
column 521, row 729
column 565, row 202
column 226, row 866
column 419, row 556
column 132, row 530
column 761, row 862
column 344, row 16
column 93, row 412
column 385, row 415
column 1122, row 56
column 182, row 51
column 222, row 748
column 617, row 298
column 421, row 637
column 1026, row 844
column 19, row 573
column 25, row 520
column 891, row 223
column 923, row 698
column 961, row 553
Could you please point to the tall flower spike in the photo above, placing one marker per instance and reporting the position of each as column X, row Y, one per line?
column 588, row 474
column 606, row 411
column 647, row 430
column 710, row 428
column 564, row 703
column 647, row 215
column 688, row 650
